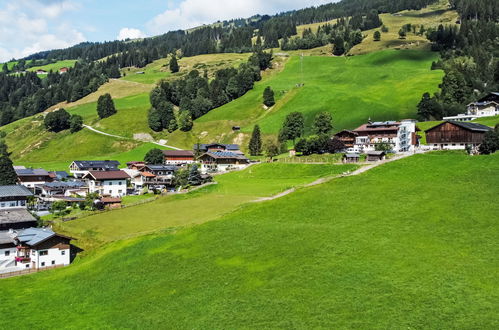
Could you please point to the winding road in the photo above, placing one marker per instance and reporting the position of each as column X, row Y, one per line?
column 122, row 137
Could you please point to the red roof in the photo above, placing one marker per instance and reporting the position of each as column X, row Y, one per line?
column 110, row 200
column 108, row 175
column 147, row 174
column 178, row 153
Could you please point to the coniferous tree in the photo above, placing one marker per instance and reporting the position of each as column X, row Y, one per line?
column 57, row 121
column 154, row 156
column 8, row 175
column 75, row 123
column 255, row 143
column 185, row 121
column 268, row 97
column 377, row 36
column 339, row 46
column 194, row 178
column 5, row 68
column 174, row 68
column 293, row 127
column 323, row 123
column 105, row 106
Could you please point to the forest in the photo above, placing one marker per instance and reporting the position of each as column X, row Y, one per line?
column 469, row 58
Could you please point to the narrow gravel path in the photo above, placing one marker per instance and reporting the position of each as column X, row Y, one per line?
column 358, row 171
column 122, row 137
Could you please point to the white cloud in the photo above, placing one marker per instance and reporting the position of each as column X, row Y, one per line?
column 30, row 26
column 192, row 13
column 130, row 33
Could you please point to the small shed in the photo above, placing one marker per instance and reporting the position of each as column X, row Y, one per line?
column 111, row 202
column 351, row 158
column 374, row 156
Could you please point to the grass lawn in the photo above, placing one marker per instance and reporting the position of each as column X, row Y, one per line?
column 208, row 203
column 410, row 244
column 54, row 66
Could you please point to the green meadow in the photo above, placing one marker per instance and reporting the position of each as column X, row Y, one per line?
column 210, row 202
column 409, row 244
column 381, row 86
column 54, row 66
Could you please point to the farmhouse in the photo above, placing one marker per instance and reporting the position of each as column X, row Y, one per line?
column 484, row 107
column 14, row 196
column 41, row 71
column 107, row 183
column 222, row 161
column 347, row 137
column 79, row 168
column 178, row 157
column 453, row 135
column 136, row 166
column 63, row 70
column 33, row 248
column 401, row 136
column 30, row 177
column 214, row 147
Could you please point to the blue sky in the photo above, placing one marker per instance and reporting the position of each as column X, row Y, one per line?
column 29, row 26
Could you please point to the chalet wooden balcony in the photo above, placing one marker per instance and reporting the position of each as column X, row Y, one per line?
column 23, row 259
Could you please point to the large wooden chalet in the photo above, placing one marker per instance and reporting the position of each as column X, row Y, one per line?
column 178, row 157
column 455, row 135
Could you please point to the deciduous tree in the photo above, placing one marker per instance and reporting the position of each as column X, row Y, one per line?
column 105, row 106
column 154, row 156
column 323, row 123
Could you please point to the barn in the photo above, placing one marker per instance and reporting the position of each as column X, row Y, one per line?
column 454, row 135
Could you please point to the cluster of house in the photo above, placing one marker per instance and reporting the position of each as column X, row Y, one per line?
column 397, row 136
column 105, row 178
column 23, row 246
column 487, row 106
column 61, row 71
column 401, row 136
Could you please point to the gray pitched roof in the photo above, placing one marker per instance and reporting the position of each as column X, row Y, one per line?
column 31, row 172
column 12, row 216
column 161, row 167
column 472, row 126
column 104, row 164
column 14, row 191
column 33, row 236
column 6, row 237
column 205, row 146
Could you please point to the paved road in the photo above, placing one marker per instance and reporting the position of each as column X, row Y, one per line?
column 122, row 137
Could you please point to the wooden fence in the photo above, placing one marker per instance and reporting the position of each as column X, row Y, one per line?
column 28, row 271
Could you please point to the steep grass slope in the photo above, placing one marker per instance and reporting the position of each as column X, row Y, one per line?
column 410, row 244
column 382, row 85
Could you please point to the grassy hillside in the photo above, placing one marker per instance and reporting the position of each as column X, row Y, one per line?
column 382, row 85
column 431, row 16
column 393, row 248
column 54, row 66
column 231, row 191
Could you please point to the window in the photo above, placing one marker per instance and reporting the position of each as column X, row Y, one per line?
column 7, row 253
column 27, row 265
column 63, row 253
column 110, row 183
column 53, row 262
column 44, row 253
column 43, row 264
column 2, row 205
column 12, row 204
column 120, row 191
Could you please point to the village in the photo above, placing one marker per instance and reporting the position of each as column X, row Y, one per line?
column 25, row 246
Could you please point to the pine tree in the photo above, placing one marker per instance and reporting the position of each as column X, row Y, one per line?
column 339, row 46
column 105, row 106
column 174, row 64
column 5, row 68
column 195, row 178
column 323, row 123
column 268, row 97
column 377, row 36
column 8, row 175
column 255, row 143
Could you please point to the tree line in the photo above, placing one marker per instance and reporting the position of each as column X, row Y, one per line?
column 195, row 94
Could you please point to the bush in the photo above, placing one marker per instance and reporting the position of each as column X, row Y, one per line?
column 57, row 121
